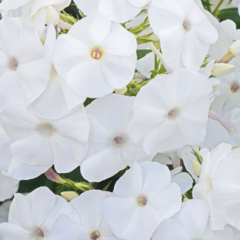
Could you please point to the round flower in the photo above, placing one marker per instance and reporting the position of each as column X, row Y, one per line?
column 89, row 207
column 184, row 31
column 172, row 111
column 226, row 191
column 96, row 56
column 39, row 143
column 111, row 149
column 119, row 11
column 229, row 98
column 144, row 197
column 39, row 12
column 39, row 215
column 24, row 67
column 190, row 223
column 58, row 99
column 207, row 181
column 8, row 186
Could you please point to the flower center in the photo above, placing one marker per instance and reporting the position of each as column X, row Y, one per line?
column 46, row 129
column 95, row 235
column 186, row 25
column 235, row 87
column 142, row 200
column 13, row 64
column 118, row 141
column 173, row 114
column 97, row 53
column 39, row 234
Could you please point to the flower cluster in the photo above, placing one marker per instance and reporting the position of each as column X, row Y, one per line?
column 141, row 94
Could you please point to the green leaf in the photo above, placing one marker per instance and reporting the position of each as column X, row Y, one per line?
column 230, row 13
column 106, row 187
column 206, row 4
column 142, row 53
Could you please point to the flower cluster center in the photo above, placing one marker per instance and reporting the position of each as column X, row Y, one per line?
column 186, row 25
column 118, row 141
column 235, row 87
column 97, row 53
column 40, row 234
column 46, row 128
column 13, row 64
column 173, row 114
column 95, row 235
column 142, row 200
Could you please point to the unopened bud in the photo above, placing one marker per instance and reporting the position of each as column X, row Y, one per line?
column 235, row 48
column 121, row 91
column 220, row 69
column 54, row 177
column 197, row 167
column 185, row 199
column 69, row 195
column 83, row 186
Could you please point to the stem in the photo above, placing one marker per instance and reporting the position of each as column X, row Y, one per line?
column 226, row 58
column 159, row 55
column 217, row 7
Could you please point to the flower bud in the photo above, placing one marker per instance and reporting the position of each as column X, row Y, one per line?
column 197, row 167
column 121, row 91
column 220, row 69
column 83, row 186
column 69, row 195
column 185, row 199
column 235, row 48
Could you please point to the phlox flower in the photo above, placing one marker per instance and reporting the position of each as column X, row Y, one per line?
column 92, row 225
column 190, row 223
column 39, row 143
column 39, row 215
column 183, row 179
column 119, row 11
column 8, row 186
column 39, row 12
column 230, row 94
column 111, row 149
column 207, row 181
column 226, row 190
column 144, row 197
column 58, row 99
column 24, row 67
column 184, row 30
column 4, row 211
column 171, row 111
column 96, row 56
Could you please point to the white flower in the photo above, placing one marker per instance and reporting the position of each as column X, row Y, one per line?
column 172, row 111
column 4, row 211
column 39, row 12
column 24, row 67
column 111, row 149
column 58, row 99
column 119, row 11
column 216, row 134
column 230, row 94
column 144, row 196
column 190, row 223
column 8, row 186
column 184, row 31
column 207, row 181
column 89, row 206
column 183, row 179
column 220, row 48
column 39, row 215
column 96, row 56
column 146, row 64
column 234, row 118
column 226, row 189
column 39, row 143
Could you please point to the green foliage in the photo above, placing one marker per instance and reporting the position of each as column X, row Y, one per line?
column 206, row 3
column 140, row 28
column 142, row 53
column 134, row 87
column 230, row 13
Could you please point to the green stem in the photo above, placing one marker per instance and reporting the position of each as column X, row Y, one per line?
column 217, row 7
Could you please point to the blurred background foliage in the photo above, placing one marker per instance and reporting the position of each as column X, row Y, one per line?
column 30, row 185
